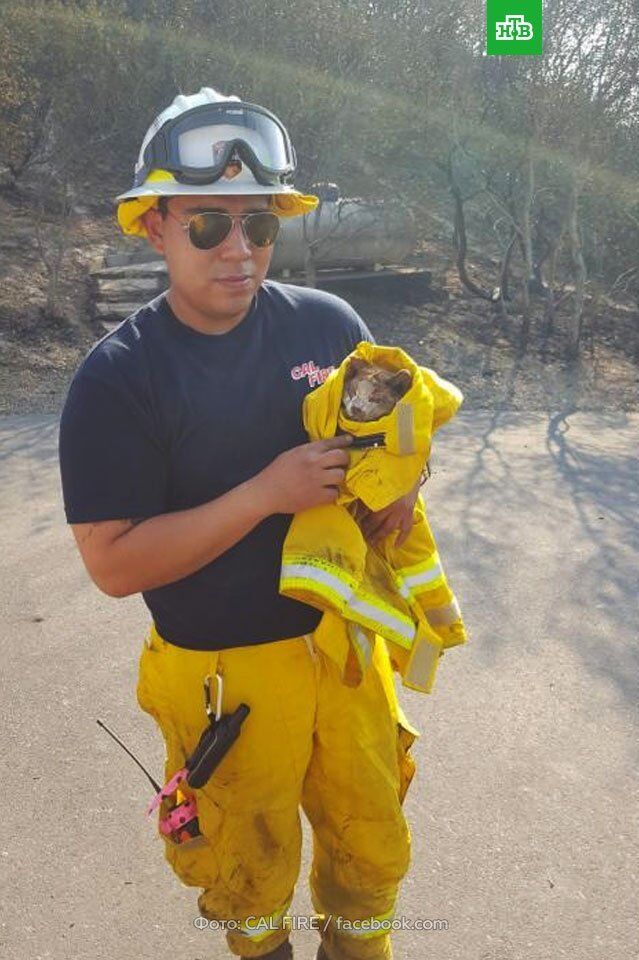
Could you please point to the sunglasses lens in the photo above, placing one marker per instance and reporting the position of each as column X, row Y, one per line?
column 262, row 228
column 207, row 230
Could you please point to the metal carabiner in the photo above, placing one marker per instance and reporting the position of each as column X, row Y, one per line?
column 207, row 697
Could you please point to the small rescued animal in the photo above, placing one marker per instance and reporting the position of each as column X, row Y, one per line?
column 371, row 391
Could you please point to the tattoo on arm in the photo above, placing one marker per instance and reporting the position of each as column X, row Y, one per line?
column 86, row 534
column 87, row 530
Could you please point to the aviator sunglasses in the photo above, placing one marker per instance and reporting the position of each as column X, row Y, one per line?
column 209, row 229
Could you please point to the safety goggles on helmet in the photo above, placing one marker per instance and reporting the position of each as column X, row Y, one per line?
column 198, row 145
column 210, row 228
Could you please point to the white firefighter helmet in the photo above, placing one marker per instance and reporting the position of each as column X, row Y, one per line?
column 208, row 144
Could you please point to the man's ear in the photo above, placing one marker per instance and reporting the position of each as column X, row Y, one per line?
column 401, row 382
column 154, row 225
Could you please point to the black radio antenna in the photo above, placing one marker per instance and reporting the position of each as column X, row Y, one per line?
column 156, row 786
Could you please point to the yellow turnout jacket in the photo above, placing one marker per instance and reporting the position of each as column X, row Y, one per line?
column 400, row 593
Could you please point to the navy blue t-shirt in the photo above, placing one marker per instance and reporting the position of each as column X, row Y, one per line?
column 160, row 417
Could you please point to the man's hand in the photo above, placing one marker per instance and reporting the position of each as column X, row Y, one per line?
column 398, row 515
column 124, row 556
column 304, row 476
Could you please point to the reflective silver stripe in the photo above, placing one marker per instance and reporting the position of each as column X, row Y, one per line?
column 308, row 572
column 403, row 589
column 431, row 560
column 444, row 616
column 401, row 625
column 405, row 428
column 404, row 626
column 427, row 576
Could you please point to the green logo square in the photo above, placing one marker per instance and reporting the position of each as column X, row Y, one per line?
column 513, row 28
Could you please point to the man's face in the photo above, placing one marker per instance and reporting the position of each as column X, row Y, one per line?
column 197, row 276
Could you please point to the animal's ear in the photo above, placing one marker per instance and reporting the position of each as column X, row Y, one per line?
column 356, row 365
column 401, row 382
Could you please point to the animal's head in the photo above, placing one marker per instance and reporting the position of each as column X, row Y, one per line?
column 371, row 391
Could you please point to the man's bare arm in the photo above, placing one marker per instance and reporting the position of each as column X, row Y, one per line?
column 125, row 557
column 128, row 556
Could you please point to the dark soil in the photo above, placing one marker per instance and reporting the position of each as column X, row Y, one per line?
column 462, row 338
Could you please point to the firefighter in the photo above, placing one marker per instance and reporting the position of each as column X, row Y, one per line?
column 183, row 460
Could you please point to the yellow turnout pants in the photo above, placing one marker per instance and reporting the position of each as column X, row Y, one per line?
column 340, row 752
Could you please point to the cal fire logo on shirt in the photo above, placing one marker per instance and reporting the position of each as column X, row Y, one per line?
column 316, row 375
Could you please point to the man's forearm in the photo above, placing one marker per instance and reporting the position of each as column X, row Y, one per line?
column 171, row 546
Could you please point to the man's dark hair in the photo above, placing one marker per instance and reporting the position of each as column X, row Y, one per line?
column 163, row 207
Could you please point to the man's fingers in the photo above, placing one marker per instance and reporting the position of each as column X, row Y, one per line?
column 335, row 458
column 335, row 475
column 333, row 443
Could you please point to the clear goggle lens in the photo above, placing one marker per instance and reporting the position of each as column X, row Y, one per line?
column 198, row 146
column 204, row 147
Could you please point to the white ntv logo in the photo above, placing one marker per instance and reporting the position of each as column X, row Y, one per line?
column 513, row 27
